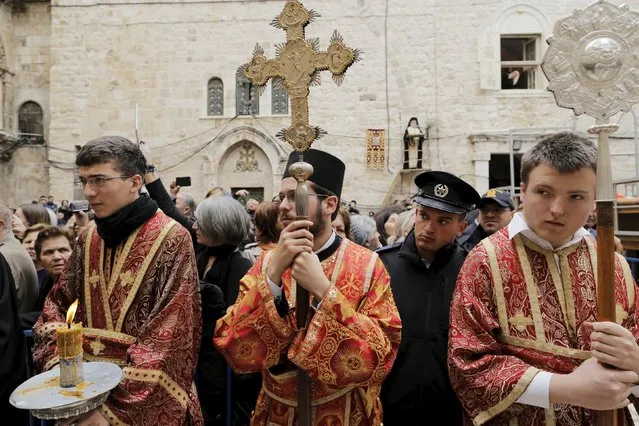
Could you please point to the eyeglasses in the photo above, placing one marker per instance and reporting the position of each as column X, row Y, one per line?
column 291, row 197
column 97, row 181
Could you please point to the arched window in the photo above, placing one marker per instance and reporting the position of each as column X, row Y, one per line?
column 510, row 51
column 31, row 123
column 279, row 97
column 215, row 102
column 247, row 98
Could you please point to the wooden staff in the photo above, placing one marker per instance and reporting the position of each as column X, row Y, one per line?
column 606, row 300
column 301, row 171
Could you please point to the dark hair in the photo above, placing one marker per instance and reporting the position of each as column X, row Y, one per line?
column 382, row 217
column 346, row 218
column 35, row 213
column 320, row 190
column 50, row 232
column 566, row 152
column 267, row 222
column 124, row 154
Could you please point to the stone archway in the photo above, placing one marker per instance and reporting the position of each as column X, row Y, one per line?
column 222, row 160
column 246, row 166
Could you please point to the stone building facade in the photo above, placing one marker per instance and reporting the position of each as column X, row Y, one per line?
column 468, row 70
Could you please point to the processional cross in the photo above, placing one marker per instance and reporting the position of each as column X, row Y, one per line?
column 298, row 63
column 592, row 64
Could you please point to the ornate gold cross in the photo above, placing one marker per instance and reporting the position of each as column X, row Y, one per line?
column 97, row 347
column 298, row 62
column 521, row 321
column 94, row 279
column 126, row 279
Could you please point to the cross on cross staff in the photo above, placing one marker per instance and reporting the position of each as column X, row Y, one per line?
column 298, row 63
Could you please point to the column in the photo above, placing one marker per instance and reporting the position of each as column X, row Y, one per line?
column 482, row 161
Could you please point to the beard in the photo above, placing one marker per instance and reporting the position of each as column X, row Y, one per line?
column 319, row 226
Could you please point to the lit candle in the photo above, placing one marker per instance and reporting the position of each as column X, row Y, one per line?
column 70, row 350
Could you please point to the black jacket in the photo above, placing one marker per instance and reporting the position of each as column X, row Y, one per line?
column 418, row 391
column 12, row 347
column 158, row 193
column 472, row 236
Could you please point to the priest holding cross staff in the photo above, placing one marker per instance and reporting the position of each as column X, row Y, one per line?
column 544, row 321
column 326, row 365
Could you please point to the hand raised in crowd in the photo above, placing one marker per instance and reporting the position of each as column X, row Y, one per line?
column 308, row 272
column 593, row 386
column 145, row 147
column 17, row 227
column 294, row 239
column 80, row 221
column 174, row 189
column 614, row 345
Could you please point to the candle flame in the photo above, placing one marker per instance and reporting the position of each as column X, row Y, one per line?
column 71, row 312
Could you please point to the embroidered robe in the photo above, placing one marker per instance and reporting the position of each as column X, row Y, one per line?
column 518, row 309
column 347, row 348
column 142, row 311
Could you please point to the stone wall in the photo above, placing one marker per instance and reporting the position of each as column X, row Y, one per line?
column 23, row 179
column 417, row 61
column 27, row 39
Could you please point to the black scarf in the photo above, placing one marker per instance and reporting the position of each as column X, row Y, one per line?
column 117, row 227
column 221, row 254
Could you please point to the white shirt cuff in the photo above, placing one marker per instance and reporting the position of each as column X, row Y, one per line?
column 537, row 393
column 275, row 289
column 635, row 391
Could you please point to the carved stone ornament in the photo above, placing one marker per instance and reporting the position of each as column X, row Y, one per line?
column 592, row 60
column 247, row 161
column 298, row 63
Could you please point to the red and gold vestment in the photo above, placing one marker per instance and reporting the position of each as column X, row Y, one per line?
column 519, row 309
column 347, row 348
column 141, row 311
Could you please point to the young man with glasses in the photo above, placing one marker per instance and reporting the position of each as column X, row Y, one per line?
column 135, row 277
column 352, row 332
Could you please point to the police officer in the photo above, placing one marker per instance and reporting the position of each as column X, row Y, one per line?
column 496, row 210
column 423, row 271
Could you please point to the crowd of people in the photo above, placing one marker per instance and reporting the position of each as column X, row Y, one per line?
column 447, row 307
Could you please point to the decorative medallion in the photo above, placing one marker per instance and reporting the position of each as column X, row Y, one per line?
column 592, row 60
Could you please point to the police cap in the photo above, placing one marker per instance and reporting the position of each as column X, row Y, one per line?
column 446, row 192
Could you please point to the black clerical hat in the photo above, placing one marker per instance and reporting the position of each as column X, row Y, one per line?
column 328, row 170
column 446, row 192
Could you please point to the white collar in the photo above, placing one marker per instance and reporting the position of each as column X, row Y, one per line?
column 328, row 243
column 518, row 225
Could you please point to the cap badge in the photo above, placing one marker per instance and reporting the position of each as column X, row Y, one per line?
column 492, row 193
column 441, row 190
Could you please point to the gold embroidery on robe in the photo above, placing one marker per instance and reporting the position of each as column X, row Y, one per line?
column 489, row 363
